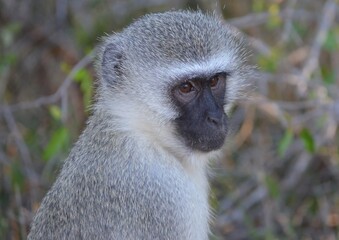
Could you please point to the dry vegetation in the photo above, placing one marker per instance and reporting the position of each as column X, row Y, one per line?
column 280, row 175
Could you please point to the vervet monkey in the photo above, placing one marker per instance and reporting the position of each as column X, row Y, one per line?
column 138, row 170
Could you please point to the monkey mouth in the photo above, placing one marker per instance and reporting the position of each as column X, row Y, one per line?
column 206, row 140
column 208, row 144
column 203, row 136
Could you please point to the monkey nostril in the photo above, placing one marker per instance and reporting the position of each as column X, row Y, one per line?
column 216, row 121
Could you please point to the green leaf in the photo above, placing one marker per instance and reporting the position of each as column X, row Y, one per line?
column 6, row 61
column 258, row 6
column 332, row 41
column 272, row 186
column 274, row 20
column 17, row 176
column 84, row 78
column 65, row 67
column 58, row 140
column 300, row 29
column 285, row 142
column 8, row 33
column 328, row 76
column 270, row 62
column 313, row 206
column 308, row 140
column 55, row 111
column 82, row 36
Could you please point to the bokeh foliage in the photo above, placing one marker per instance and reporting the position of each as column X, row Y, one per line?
column 279, row 177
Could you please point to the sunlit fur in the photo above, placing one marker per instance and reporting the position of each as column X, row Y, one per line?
column 130, row 151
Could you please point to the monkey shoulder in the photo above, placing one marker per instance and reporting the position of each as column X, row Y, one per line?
column 130, row 199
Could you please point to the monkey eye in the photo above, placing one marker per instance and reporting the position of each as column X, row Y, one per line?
column 186, row 87
column 214, row 81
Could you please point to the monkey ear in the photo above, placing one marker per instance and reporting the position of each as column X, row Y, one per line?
column 111, row 63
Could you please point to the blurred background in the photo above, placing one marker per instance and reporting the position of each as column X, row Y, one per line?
column 279, row 178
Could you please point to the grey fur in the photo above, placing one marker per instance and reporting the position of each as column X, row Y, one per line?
column 129, row 176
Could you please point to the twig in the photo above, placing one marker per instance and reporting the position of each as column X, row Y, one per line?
column 289, row 20
column 46, row 100
column 290, row 78
column 23, row 149
column 308, row 116
column 328, row 14
column 24, row 152
column 256, row 19
column 4, row 159
column 21, row 217
column 61, row 7
column 240, row 193
column 238, row 213
column 296, row 171
column 4, row 81
column 260, row 46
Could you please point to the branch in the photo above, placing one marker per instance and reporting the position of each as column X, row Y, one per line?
column 13, row 128
column 31, row 175
column 256, row 19
column 4, row 159
column 46, row 100
column 328, row 14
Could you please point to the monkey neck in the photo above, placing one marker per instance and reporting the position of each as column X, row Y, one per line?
column 154, row 142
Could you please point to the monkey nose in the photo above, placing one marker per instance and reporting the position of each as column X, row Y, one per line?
column 215, row 119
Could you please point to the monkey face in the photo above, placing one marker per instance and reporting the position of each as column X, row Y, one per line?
column 202, row 122
column 169, row 79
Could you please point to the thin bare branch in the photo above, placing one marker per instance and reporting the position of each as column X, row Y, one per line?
column 23, row 149
column 46, row 100
column 260, row 46
column 297, row 171
column 4, row 158
column 289, row 20
column 252, row 20
column 328, row 14
column 30, row 174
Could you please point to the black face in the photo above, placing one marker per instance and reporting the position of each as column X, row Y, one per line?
column 202, row 122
